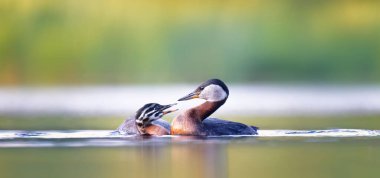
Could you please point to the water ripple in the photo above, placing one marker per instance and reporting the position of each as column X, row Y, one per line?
column 110, row 138
column 67, row 134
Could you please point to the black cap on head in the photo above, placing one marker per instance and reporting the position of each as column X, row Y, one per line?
column 198, row 91
column 146, row 106
column 215, row 82
column 153, row 110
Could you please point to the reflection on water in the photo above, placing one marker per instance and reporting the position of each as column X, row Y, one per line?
column 106, row 154
column 113, row 138
column 110, row 138
column 206, row 159
column 188, row 160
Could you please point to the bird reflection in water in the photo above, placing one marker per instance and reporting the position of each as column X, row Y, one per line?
column 188, row 157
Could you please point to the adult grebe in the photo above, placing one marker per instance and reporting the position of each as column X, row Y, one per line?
column 194, row 121
column 147, row 121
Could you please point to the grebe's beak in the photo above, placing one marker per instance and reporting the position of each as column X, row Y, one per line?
column 190, row 96
column 167, row 107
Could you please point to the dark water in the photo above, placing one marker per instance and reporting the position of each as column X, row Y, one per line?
column 274, row 153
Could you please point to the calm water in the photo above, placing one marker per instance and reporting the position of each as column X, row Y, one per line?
column 273, row 153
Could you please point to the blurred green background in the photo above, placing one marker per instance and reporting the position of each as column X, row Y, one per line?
column 51, row 42
column 117, row 42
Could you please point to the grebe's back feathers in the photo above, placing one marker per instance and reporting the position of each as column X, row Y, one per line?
column 128, row 127
column 215, row 126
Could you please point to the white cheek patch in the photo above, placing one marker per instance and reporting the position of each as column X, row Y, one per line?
column 213, row 93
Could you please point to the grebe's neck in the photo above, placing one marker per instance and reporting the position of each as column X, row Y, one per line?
column 204, row 110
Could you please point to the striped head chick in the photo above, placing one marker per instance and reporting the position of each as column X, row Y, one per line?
column 149, row 113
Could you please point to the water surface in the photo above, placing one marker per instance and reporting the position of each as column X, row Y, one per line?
column 111, row 138
column 273, row 153
column 64, row 147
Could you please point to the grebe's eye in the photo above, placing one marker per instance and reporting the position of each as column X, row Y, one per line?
column 201, row 88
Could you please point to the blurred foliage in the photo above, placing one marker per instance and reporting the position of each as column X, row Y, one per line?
column 48, row 42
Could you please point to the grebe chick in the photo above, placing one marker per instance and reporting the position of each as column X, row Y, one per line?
column 147, row 121
column 195, row 121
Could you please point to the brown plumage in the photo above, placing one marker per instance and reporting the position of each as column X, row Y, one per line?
column 195, row 121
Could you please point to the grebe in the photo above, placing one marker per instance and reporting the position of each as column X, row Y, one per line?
column 194, row 121
column 147, row 121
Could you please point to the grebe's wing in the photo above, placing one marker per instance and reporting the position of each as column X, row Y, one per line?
column 215, row 126
column 128, row 127
column 163, row 123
